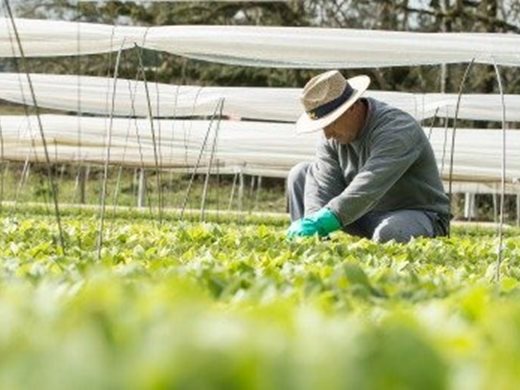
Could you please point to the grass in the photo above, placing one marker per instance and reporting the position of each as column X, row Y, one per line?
column 122, row 189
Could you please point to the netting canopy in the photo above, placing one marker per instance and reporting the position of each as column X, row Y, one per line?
column 258, row 144
column 268, row 149
column 94, row 95
column 293, row 47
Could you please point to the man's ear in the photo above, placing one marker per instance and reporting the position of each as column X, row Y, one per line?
column 351, row 108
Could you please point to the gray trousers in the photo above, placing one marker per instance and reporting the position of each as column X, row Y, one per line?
column 398, row 225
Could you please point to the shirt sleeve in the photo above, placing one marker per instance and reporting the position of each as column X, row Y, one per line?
column 393, row 150
column 324, row 180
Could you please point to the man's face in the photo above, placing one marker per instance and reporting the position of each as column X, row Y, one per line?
column 345, row 129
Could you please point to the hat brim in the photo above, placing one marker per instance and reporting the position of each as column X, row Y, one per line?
column 307, row 125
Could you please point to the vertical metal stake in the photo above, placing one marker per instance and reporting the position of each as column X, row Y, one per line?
column 240, row 191
column 82, row 184
column 258, row 188
column 141, row 191
column 518, row 209
column 495, row 207
column 233, row 191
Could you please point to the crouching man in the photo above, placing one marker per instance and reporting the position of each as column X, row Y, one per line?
column 374, row 174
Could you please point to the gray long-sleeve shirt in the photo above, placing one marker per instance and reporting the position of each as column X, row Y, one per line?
column 390, row 166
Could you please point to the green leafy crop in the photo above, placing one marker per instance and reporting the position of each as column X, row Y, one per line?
column 233, row 305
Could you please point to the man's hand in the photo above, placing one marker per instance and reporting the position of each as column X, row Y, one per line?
column 322, row 223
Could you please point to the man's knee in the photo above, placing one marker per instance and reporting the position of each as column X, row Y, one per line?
column 402, row 228
column 387, row 232
column 296, row 177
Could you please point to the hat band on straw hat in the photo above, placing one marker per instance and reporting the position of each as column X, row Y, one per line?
column 327, row 108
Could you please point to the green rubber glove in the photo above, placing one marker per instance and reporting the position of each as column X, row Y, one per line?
column 322, row 223
column 302, row 228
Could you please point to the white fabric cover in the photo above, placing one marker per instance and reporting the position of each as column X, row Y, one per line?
column 294, row 47
column 262, row 148
column 45, row 38
column 267, row 149
column 185, row 1
column 94, row 95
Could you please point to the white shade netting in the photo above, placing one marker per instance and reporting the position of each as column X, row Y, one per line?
column 44, row 38
column 267, row 149
column 94, row 95
column 184, row 1
column 295, row 47
column 264, row 145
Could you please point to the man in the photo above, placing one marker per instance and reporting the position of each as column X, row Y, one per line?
column 374, row 173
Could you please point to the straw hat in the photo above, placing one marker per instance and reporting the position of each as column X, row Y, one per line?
column 326, row 97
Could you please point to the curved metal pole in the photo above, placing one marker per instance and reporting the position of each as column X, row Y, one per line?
column 500, row 250
column 444, row 145
column 233, row 187
column 107, row 156
column 201, row 151
column 210, row 165
column 50, row 176
column 152, row 129
column 452, row 153
column 433, row 122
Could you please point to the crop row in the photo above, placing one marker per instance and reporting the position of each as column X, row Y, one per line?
column 205, row 305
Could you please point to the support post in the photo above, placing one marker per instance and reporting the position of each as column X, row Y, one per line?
column 495, row 207
column 518, row 209
column 240, row 190
column 258, row 188
column 82, row 184
column 470, row 211
column 232, row 195
column 141, row 190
